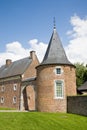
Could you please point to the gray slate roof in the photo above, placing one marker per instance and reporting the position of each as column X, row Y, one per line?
column 83, row 87
column 15, row 68
column 55, row 53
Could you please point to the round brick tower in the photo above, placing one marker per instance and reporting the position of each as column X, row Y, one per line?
column 55, row 78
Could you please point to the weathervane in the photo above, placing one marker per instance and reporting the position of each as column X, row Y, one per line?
column 54, row 22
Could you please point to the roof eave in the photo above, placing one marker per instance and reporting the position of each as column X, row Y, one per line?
column 56, row 64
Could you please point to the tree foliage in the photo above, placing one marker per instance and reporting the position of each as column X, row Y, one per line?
column 81, row 74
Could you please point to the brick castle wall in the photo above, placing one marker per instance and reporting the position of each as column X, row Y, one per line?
column 9, row 93
column 31, row 71
column 45, row 87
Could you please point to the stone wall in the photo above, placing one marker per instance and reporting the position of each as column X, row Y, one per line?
column 77, row 105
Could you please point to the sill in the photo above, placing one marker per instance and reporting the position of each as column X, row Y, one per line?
column 58, row 74
column 59, row 98
column 14, row 102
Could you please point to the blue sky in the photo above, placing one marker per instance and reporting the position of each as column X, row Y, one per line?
column 24, row 20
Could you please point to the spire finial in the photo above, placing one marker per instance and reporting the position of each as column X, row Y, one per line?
column 54, row 22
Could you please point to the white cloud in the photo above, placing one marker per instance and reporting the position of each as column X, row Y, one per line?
column 39, row 47
column 15, row 50
column 77, row 47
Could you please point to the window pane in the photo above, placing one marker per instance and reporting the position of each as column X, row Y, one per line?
column 59, row 89
column 58, row 70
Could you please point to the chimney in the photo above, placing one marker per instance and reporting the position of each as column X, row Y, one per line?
column 8, row 62
column 32, row 55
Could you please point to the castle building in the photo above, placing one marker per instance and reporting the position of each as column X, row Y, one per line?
column 27, row 84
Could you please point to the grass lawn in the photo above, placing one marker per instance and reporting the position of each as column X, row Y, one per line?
column 7, row 109
column 41, row 121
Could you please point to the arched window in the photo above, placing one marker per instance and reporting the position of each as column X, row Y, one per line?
column 15, row 87
column 59, row 89
column 14, row 99
column 3, row 88
column 2, row 99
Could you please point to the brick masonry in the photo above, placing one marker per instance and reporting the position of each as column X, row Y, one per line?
column 9, row 93
column 45, row 87
column 39, row 94
column 31, row 71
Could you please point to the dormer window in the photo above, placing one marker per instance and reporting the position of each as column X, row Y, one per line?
column 58, row 70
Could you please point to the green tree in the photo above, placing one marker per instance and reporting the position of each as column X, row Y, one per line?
column 81, row 74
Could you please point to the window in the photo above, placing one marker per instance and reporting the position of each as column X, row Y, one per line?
column 14, row 99
column 58, row 70
column 59, row 89
column 3, row 88
column 15, row 87
column 2, row 99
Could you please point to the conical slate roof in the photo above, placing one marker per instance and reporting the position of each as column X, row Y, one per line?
column 55, row 53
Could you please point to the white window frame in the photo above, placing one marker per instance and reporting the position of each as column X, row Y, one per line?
column 59, row 95
column 15, row 87
column 14, row 99
column 58, row 67
column 2, row 88
column 2, row 100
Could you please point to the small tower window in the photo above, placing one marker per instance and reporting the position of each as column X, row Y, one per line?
column 15, row 87
column 59, row 88
column 58, row 70
column 2, row 99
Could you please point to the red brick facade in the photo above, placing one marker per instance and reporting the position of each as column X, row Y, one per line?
column 46, row 77
column 24, row 96
column 40, row 94
column 9, row 94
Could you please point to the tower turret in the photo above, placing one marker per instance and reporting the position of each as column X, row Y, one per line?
column 55, row 78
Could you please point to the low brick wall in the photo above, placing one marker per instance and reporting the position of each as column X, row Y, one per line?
column 77, row 105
